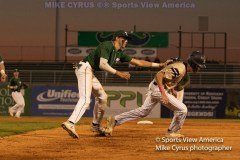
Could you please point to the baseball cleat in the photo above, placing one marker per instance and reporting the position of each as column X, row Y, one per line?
column 174, row 135
column 70, row 129
column 97, row 129
column 110, row 125
column 10, row 112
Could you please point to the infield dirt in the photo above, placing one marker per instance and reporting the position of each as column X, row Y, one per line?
column 129, row 141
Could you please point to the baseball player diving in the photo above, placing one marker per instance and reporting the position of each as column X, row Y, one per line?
column 161, row 89
column 102, row 58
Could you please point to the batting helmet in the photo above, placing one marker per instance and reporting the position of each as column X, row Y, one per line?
column 196, row 60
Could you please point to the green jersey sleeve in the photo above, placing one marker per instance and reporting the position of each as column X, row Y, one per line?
column 105, row 51
column 125, row 57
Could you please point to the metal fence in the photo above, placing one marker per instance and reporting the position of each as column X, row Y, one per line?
column 138, row 78
column 212, row 44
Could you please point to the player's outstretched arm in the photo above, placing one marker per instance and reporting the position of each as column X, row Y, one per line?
column 143, row 63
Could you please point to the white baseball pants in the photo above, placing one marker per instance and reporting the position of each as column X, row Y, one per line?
column 88, row 83
column 20, row 103
column 152, row 99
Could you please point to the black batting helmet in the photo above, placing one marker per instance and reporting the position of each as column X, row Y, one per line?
column 196, row 60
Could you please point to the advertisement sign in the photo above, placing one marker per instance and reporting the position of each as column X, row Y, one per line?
column 138, row 39
column 122, row 99
column 61, row 100
column 133, row 52
column 202, row 103
column 56, row 101
column 6, row 100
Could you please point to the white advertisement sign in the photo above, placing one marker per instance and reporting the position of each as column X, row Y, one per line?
column 122, row 99
column 133, row 52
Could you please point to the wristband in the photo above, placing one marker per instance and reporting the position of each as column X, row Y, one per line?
column 155, row 65
column 161, row 88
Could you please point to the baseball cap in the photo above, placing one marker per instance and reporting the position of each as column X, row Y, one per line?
column 16, row 70
column 121, row 33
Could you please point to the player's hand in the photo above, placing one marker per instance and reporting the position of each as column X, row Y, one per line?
column 164, row 99
column 124, row 75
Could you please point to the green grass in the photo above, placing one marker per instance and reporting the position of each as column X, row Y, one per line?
column 12, row 128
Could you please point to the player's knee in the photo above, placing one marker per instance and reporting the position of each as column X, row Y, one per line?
column 102, row 99
column 84, row 102
column 102, row 105
column 184, row 109
column 144, row 112
column 21, row 104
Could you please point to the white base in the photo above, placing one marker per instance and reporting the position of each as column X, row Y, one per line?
column 145, row 122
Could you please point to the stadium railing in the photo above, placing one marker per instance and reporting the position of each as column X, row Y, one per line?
column 138, row 78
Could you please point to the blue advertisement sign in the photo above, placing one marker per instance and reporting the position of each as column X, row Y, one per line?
column 56, row 101
column 202, row 103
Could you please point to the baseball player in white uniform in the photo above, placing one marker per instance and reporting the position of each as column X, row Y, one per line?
column 160, row 90
column 15, row 85
column 103, row 58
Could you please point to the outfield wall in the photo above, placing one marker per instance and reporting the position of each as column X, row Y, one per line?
column 60, row 101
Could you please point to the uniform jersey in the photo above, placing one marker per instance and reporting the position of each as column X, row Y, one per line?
column 15, row 82
column 106, row 50
column 185, row 81
column 173, row 74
